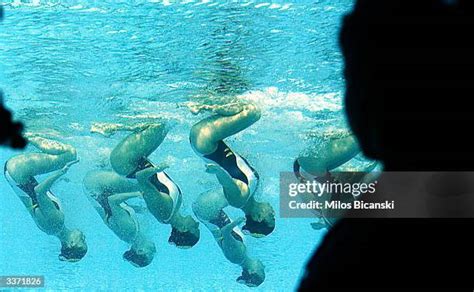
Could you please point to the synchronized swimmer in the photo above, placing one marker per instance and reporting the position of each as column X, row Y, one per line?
column 335, row 148
column 43, row 206
column 134, row 176
column 239, row 183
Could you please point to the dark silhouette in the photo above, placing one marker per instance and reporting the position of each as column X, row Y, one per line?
column 10, row 131
column 409, row 68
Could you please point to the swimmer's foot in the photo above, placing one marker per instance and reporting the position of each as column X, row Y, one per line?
column 29, row 135
column 33, row 135
column 229, row 109
column 36, row 139
column 319, row 225
column 105, row 129
column 194, row 108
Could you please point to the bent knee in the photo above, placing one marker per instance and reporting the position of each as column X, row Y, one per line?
column 252, row 112
column 157, row 131
column 17, row 168
column 69, row 152
column 200, row 137
column 121, row 162
column 73, row 153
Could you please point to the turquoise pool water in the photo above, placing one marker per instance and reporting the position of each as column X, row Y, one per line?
column 65, row 64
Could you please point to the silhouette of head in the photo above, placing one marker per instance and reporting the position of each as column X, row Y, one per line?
column 409, row 78
column 74, row 248
column 183, row 240
column 253, row 275
column 140, row 255
column 187, row 235
column 261, row 221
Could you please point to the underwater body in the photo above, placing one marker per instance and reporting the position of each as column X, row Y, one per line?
column 66, row 65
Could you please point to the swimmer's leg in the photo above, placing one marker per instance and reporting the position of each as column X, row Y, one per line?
column 123, row 221
column 208, row 208
column 253, row 271
column 318, row 225
column 100, row 181
column 329, row 155
column 51, row 146
column 49, row 211
column 207, row 133
column 143, row 176
column 159, row 204
column 45, row 186
column 128, row 154
column 235, row 191
column 53, row 157
column 227, row 229
column 47, row 207
column 109, row 129
column 116, row 199
column 234, row 250
column 228, row 109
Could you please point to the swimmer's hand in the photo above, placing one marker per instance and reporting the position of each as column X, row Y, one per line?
column 238, row 221
column 318, row 225
column 212, row 168
column 161, row 167
column 232, row 225
column 68, row 165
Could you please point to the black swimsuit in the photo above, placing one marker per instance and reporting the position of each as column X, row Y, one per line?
column 301, row 178
column 145, row 163
column 226, row 159
column 163, row 184
column 103, row 201
column 222, row 221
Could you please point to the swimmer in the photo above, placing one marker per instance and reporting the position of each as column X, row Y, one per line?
column 335, row 148
column 238, row 179
column 163, row 199
column 161, row 194
column 208, row 208
column 43, row 206
column 109, row 193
